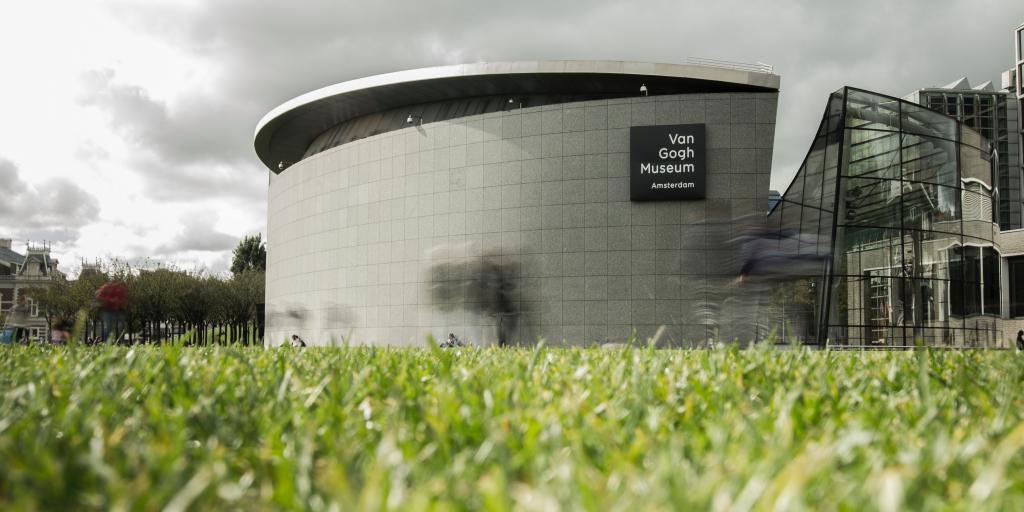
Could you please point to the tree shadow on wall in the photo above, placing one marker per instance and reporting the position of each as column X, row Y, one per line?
column 485, row 286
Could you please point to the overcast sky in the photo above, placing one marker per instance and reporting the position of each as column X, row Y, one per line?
column 126, row 126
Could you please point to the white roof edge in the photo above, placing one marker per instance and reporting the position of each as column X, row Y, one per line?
column 711, row 73
column 960, row 83
column 987, row 86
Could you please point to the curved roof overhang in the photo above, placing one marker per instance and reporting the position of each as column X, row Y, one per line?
column 286, row 131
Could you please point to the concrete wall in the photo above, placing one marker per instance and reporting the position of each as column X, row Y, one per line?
column 362, row 237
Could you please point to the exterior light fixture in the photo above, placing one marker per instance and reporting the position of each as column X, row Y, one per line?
column 643, row 89
column 411, row 119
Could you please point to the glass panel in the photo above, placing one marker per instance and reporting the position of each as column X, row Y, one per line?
column 870, row 111
column 880, row 309
column 930, row 160
column 795, row 193
column 809, row 241
column 825, row 234
column 922, row 121
column 873, row 154
column 775, row 218
column 925, row 287
column 790, row 232
column 871, row 202
column 828, row 191
column 930, row 207
column 813, row 168
column 870, row 249
column 975, row 164
column 834, row 112
column 933, row 250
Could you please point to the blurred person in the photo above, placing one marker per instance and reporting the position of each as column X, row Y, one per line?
column 17, row 319
column 297, row 341
column 60, row 332
column 777, row 255
column 1020, row 340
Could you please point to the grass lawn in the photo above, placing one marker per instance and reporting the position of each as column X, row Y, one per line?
column 151, row 427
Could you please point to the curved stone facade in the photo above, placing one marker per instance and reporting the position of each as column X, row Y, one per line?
column 515, row 224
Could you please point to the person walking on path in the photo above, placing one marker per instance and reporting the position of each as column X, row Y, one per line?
column 1020, row 340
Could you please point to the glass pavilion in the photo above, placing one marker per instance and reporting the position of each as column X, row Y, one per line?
column 894, row 203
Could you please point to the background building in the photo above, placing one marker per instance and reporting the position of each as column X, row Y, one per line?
column 19, row 272
column 494, row 201
column 994, row 115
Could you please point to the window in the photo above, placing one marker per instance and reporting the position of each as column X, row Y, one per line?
column 972, row 280
column 951, row 109
column 33, row 307
column 979, row 290
column 1020, row 44
column 990, row 281
column 1016, row 268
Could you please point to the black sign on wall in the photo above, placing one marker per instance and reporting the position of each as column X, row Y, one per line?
column 667, row 162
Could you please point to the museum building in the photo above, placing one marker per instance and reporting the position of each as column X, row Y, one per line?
column 576, row 201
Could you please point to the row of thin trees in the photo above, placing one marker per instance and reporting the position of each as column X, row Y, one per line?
column 163, row 304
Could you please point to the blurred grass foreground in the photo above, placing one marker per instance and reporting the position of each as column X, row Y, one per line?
column 213, row 428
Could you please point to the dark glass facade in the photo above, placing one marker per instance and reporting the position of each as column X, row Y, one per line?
column 896, row 203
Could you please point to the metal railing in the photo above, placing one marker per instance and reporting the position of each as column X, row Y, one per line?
column 757, row 67
column 24, row 278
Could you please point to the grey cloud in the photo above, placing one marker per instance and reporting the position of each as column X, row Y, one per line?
column 90, row 151
column 198, row 235
column 55, row 210
column 271, row 51
column 197, row 182
column 202, row 130
column 196, row 152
